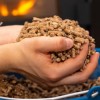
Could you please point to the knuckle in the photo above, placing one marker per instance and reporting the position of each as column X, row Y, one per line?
column 30, row 43
column 36, row 43
column 80, row 63
column 52, row 76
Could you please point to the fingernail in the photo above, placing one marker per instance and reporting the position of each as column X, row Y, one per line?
column 69, row 43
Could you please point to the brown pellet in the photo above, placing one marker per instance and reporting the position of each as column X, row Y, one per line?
column 11, row 86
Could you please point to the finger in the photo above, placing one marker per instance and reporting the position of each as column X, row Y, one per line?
column 80, row 77
column 71, row 65
column 92, row 46
column 48, row 44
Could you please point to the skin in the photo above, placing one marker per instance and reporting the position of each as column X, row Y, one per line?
column 8, row 34
column 31, row 58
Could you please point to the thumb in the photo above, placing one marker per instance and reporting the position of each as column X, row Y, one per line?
column 48, row 44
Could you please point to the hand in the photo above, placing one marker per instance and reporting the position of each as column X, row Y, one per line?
column 35, row 62
column 9, row 34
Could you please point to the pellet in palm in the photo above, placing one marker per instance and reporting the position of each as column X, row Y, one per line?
column 55, row 26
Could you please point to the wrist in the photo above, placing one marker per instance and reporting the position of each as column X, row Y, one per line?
column 10, row 58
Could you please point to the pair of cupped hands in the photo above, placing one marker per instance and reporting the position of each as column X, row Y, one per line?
column 31, row 58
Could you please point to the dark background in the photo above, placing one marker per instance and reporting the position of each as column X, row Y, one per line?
column 87, row 12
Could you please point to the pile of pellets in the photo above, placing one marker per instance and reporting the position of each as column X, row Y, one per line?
column 11, row 86
column 55, row 26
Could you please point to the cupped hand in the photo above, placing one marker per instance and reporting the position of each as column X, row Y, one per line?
column 35, row 61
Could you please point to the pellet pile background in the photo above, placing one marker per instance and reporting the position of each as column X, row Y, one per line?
column 10, row 86
column 55, row 26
